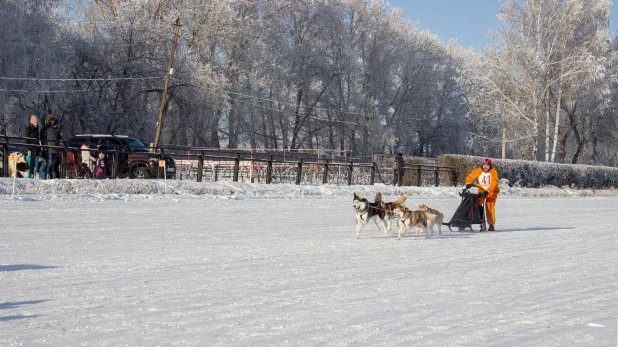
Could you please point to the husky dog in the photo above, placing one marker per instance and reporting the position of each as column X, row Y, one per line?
column 366, row 211
column 409, row 219
column 388, row 207
column 434, row 217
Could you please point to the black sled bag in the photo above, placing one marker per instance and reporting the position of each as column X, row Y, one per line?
column 468, row 212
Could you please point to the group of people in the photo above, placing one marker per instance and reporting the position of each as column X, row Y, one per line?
column 485, row 178
column 44, row 160
column 44, row 152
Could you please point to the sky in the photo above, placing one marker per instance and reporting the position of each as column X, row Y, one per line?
column 466, row 20
column 119, row 263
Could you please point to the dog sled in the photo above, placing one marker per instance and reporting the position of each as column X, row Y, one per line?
column 468, row 213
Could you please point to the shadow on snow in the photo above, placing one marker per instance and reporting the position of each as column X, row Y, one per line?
column 20, row 267
column 9, row 305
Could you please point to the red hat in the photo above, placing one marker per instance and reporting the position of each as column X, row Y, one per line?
column 487, row 161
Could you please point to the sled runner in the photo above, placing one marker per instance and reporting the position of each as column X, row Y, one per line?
column 469, row 212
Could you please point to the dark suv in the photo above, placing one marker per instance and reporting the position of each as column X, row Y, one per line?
column 134, row 160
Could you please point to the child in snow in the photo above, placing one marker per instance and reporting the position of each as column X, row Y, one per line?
column 100, row 168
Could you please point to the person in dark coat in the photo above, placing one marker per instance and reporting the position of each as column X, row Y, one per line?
column 398, row 170
column 99, row 149
column 32, row 133
column 53, row 137
column 43, row 141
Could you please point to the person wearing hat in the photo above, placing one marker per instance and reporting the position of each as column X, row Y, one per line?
column 398, row 170
column 486, row 177
column 87, row 158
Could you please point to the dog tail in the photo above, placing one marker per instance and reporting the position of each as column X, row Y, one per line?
column 402, row 199
column 378, row 197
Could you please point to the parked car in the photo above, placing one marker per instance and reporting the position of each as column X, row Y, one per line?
column 134, row 159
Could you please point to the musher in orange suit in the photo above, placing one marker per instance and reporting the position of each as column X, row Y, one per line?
column 487, row 178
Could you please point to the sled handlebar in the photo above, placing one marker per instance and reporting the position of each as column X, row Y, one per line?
column 466, row 191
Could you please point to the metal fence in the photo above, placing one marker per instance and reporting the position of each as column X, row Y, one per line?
column 254, row 166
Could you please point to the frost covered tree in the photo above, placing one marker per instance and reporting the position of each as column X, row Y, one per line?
column 581, row 67
column 31, row 60
column 544, row 49
column 604, row 149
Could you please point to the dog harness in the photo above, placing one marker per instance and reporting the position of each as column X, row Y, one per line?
column 361, row 212
column 406, row 218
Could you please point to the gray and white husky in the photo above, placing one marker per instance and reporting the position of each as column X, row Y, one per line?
column 377, row 209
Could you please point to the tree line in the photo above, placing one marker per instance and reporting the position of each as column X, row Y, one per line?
column 343, row 75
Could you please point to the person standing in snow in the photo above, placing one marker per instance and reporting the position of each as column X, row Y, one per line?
column 486, row 177
column 32, row 132
column 88, row 159
column 44, row 156
column 398, row 170
column 53, row 137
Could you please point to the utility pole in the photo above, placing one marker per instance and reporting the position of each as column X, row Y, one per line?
column 170, row 70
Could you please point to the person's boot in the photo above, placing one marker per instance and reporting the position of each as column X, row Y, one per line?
column 491, row 228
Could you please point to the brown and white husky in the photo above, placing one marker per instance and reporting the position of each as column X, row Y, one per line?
column 434, row 217
column 409, row 219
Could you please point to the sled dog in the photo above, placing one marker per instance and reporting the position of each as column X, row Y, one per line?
column 409, row 219
column 388, row 207
column 366, row 211
column 434, row 217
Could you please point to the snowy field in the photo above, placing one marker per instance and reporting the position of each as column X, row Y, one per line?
column 121, row 263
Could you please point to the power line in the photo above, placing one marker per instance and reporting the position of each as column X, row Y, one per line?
column 175, row 79
column 181, row 81
column 237, row 100
column 76, row 79
column 50, row 91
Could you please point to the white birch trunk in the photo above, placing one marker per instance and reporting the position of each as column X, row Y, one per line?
column 547, row 132
column 557, row 125
column 535, row 134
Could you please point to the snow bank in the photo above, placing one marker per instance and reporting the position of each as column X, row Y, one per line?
column 226, row 189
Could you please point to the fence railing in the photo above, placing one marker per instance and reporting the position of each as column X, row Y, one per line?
column 212, row 165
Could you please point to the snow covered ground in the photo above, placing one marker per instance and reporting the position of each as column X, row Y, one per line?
column 107, row 263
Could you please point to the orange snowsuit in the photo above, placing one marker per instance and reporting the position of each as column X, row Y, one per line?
column 487, row 182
